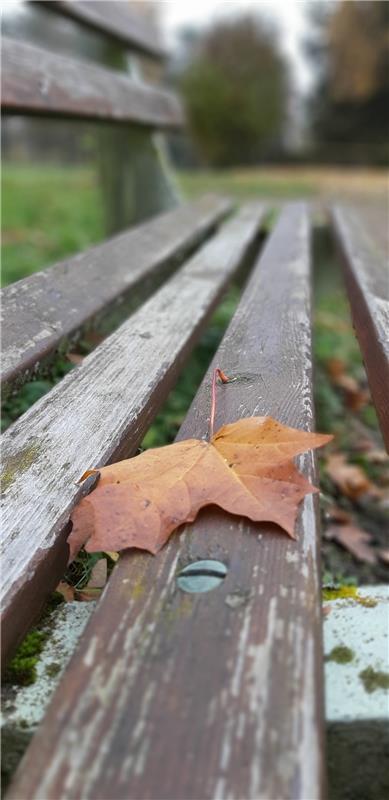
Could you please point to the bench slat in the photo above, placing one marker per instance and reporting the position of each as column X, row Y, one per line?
column 100, row 411
column 36, row 81
column 367, row 281
column 116, row 20
column 213, row 695
column 40, row 311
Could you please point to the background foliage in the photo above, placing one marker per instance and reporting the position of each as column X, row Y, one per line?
column 235, row 93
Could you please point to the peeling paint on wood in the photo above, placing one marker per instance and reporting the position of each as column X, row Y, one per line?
column 100, row 412
column 180, row 696
column 44, row 309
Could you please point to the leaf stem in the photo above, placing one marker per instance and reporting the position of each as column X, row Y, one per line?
column 217, row 373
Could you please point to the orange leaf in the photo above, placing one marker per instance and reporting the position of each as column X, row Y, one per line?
column 246, row 470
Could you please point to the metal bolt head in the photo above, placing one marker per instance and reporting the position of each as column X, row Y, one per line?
column 201, row 576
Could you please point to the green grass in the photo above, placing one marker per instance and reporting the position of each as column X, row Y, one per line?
column 241, row 184
column 48, row 213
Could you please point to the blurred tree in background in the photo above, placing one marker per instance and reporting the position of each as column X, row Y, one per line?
column 349, row 44
column 235, row 90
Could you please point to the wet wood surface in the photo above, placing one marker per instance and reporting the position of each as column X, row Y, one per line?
column 217, row 695
column 99, row 412
column 36, row 81
column 48, row 307
column 115, row 19
column 366, row 270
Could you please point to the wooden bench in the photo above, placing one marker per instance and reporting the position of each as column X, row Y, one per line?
column 169, row 695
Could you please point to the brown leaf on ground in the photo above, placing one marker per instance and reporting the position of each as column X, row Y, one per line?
column 335, row 367
column 87, row 595
column 384, row 556
column 349, row 478
column 353, row 539
column 246, row 469
column 338, row 514
column 66, row 590
column 75, row 358
column 377, row 457
column 355, row 396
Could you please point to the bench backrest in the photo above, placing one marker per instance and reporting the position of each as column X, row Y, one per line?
column 94, row 69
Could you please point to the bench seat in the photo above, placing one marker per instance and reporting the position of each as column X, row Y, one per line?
column 196, row 696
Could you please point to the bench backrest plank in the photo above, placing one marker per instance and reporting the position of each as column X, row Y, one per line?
column 99, row 412
column 40, row 311
column 367, row 280
column 217, row 694
column 114, row 19
column 37, row 81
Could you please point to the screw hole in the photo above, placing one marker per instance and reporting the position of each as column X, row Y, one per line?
column 201, row 576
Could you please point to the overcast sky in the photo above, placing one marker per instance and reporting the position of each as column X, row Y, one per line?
column 289, row 17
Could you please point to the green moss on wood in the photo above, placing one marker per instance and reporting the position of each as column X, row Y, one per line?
column 374, row 679
column 340, row 654
column 18, row 463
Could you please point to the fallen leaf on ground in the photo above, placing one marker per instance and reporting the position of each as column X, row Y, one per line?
column 355, row 540
column 355, row 396
column 66, row 590
column 75, row 358
column 349, row 478
column 246, row 469
column 338, row 514
column 384, row 556
column 87, row 595
column 377, row 457
column 335, row 367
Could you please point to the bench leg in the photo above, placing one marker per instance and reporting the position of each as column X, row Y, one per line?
column 134, row 177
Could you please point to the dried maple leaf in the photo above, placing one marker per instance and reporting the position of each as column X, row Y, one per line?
column 246, row 469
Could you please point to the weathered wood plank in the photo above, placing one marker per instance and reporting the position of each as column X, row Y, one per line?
column 115, row 19
column 215, row 695
column 40, row 311
column 36, row 81
column 366, row 273
column 98, row 412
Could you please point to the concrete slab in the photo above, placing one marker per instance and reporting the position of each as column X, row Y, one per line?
column 356, row 650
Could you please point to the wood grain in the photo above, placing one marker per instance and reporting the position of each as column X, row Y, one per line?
column 36, row 81
column 215, row 695
column 41, row 311
column 99, row 412
column 366, row 273
column 115, row 19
